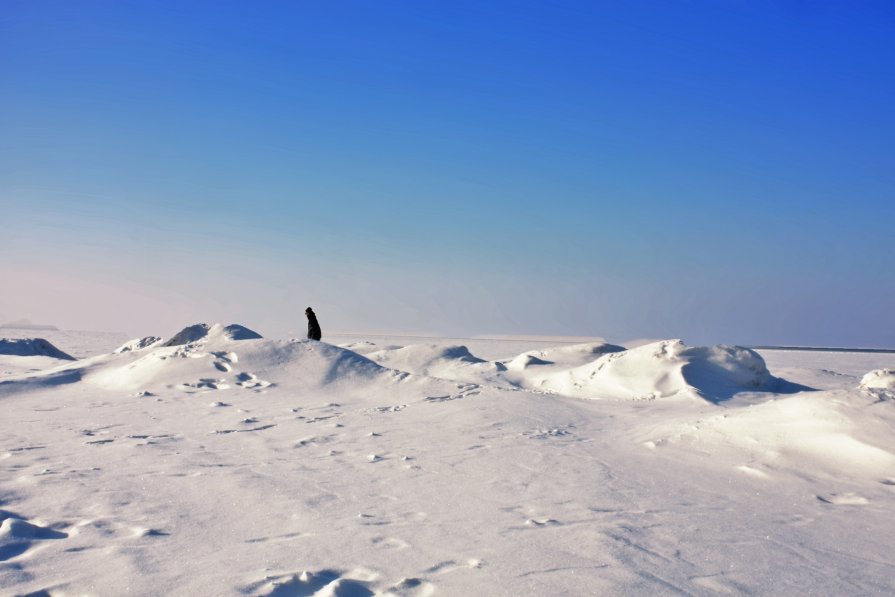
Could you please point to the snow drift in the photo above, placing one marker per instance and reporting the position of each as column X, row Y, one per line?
column 598, row 370
column 660, row 370
column 446, row 362
column 31, row 347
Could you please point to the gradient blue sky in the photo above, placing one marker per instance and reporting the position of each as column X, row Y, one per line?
column 717, row 170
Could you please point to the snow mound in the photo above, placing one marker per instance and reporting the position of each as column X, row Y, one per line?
column 31, row 347
column 232, row 357
column 202, row 331
column 880, row 382
column 665, row 369
column 234, row 331
column 138, row 344
column 453, row 362
column 526, row 360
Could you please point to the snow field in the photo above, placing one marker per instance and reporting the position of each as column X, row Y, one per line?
column 268, row 467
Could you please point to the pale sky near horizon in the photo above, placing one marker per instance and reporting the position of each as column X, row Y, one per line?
column 713, row 170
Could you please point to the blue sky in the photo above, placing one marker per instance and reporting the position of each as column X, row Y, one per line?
column 720, row 171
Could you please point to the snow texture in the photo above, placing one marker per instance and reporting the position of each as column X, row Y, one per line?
column 289, row 467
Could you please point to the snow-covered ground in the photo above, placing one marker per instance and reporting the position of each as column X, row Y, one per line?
column 216, row 463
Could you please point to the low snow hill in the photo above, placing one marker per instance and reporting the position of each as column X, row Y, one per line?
column 218, row 462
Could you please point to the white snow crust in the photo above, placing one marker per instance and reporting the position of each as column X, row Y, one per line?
column 221, row 462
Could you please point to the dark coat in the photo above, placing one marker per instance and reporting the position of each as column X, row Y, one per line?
column 314, row 332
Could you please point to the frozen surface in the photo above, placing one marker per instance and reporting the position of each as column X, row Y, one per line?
column 233, row 465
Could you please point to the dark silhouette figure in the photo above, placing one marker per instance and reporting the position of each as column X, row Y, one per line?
column 314, row 332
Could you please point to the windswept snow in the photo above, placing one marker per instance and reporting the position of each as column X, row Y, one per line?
column 227, row 463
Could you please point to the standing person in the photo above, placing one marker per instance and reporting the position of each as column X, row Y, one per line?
column 314, row 332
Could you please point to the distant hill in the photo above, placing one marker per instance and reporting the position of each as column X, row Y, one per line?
column 32, row 347
column 25, row 324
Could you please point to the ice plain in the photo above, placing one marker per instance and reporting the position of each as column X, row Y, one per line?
column 223, row 463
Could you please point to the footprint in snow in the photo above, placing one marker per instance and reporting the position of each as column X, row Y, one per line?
column 226, row 431
column 250, row 381
column 466, row 390
column 315, row 439
column 411, row 587
column 386, row 409
column 390, row 543
column 540, row 522
column 139, row 532
column 451, row 565
column 207, row 383
column 843, row 499
column 276, row 538
column 546, row 433
column 315, row 419
column 227, row 357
